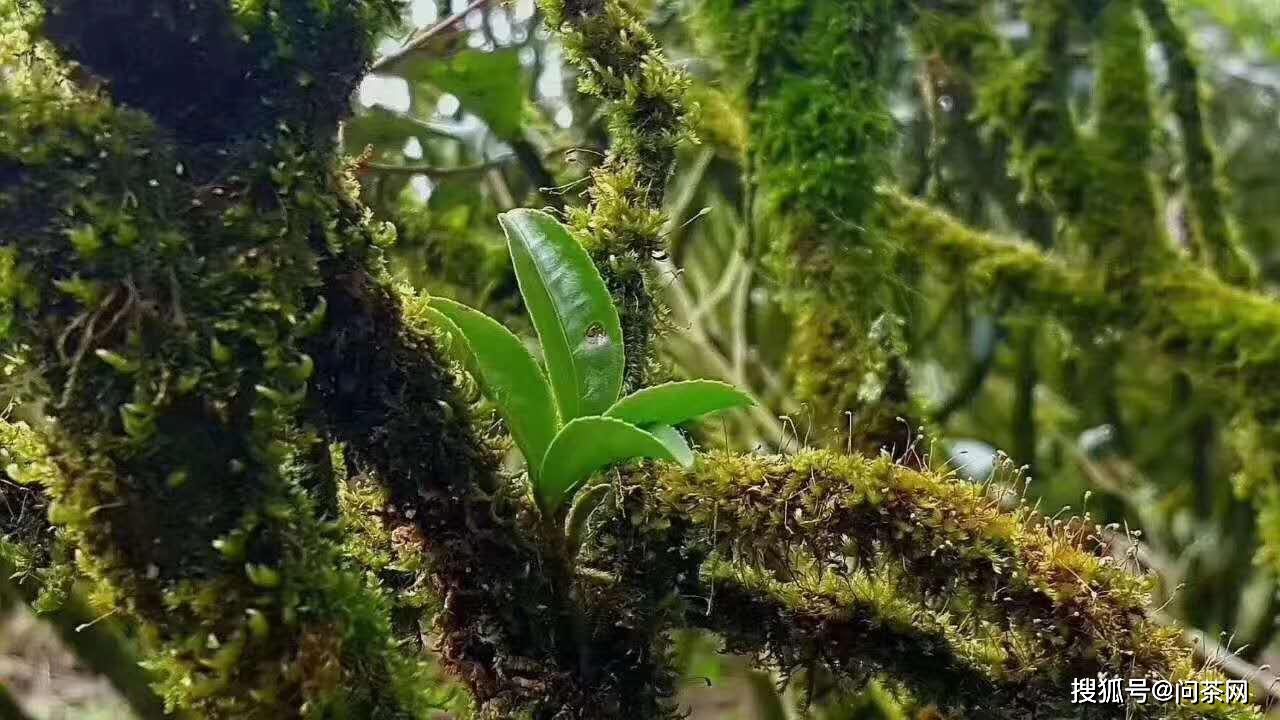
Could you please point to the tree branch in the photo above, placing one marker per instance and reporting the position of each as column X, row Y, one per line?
column 620, row 63
column 1216, row 243
column 419, row 41
column 833, row 537
column 438, row 172
column 167, row 330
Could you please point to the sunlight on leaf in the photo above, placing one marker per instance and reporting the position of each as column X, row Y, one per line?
column 571, row 310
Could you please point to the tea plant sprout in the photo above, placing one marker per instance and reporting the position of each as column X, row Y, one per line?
column 570, row 420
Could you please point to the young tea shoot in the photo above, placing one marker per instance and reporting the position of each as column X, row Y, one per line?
column 569, row 419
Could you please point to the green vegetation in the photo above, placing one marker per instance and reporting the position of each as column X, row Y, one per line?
column 265, row 357
column 587, row 427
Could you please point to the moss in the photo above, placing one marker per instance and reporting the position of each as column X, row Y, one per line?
column 819, row 129
column 953, row 42
column 381, row 389
column 896, row 540
column 1098, row 181
column 1215, row 242
column 815, row 79
column 636, row 575
column 864, row 625
column 1022, row 100
column 257, row 61
column 853, row 381
column 720, row 120
column 1118, row 221
column 1225, row 334
column 620, row 63
column 997, row 269
column 191, row 304
column 163, row 288
column 35, row 555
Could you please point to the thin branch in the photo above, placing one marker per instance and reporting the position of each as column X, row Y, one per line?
column 1214, row 653
column 439, row 172
column 388, row 62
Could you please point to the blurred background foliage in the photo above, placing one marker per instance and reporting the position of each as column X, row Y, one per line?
column 473, row 111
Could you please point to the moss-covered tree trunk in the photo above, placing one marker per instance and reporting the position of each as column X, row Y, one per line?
column 202, row 310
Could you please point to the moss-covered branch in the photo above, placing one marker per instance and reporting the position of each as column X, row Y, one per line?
column 620, row 63
column 1225, row 333
column 205, row 303
column 814, row 77
column 161, row 284
column 994, row 267
column 1023, row 100
column 864, row 626
column 1215, row 241
column 843, row 544
column 382, row 391
column 1118, row 223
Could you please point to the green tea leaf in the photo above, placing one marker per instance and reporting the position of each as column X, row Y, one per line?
column 510, row 375
column 675, row 442
column 572, row 311
column 676, row 402
column 586, row 445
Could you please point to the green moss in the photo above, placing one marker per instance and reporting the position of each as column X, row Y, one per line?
column 852, row 378
column 1119, row 221
column 866, row 623
column 169, row 287
column 996, row 268
column 1099, row 181
column 880, row 542
column 620, row 63
column 819, row 131
column 1226, row 335
column 815, row 79
column 1022, row 100
column 1215, row 242
column 32, row 551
